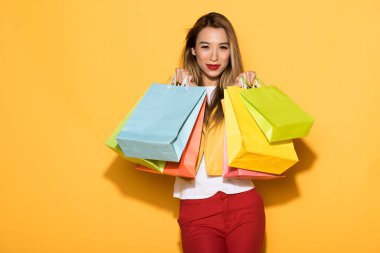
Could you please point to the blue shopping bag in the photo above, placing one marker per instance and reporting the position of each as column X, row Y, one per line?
column 161, row 123
column 112, row 143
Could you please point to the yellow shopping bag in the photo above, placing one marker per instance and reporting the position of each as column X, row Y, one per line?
column 211, row 148
column 247, row 146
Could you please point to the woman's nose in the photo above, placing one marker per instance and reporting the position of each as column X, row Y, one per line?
column 214, row 55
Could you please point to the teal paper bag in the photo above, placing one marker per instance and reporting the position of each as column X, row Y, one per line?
column 162, row 122
column 112, row 143
column 276, row 114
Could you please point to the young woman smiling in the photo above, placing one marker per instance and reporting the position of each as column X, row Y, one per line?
column 216, row 214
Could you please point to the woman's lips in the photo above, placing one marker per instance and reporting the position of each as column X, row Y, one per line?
column 213, row 66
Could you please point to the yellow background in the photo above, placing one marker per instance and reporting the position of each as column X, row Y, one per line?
column 70, row 71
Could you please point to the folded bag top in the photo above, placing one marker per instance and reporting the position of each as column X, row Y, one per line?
column 161, row 123
column 277, row 115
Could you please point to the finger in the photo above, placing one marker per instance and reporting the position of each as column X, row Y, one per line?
column 191, row 80
column 253, row 77
column 237, row 80
column 177, row 73
column 180, row 76
column 249, row 78
column 185, row 74
column 243, row 79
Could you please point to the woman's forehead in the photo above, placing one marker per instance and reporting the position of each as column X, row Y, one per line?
column 212, row 35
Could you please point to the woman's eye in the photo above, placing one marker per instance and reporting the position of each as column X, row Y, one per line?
column 204, row 46
column 224, row 47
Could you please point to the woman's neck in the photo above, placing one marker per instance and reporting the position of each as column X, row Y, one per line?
column 210, row 81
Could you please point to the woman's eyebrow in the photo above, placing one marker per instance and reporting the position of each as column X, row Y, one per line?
column 205, row 42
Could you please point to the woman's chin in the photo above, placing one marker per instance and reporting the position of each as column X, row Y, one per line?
column 213, row 74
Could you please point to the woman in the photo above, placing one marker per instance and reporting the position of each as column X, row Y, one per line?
column 216, row 214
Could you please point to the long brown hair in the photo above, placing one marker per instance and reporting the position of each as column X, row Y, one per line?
column 214, row 111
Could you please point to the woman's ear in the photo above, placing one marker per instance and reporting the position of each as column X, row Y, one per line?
column 193, row 51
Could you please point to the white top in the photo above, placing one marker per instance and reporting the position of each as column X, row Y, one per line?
column 204, row 186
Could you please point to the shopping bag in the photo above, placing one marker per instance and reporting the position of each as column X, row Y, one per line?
column 230, row 172
column 112, row 143
column 247, row 146
column 277, row 115
column 161, row 123
column 187, row 166
column 212, row 141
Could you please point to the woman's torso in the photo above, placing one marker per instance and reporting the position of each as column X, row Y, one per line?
column 204, row 186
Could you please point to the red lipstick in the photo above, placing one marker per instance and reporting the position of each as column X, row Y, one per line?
column 213, row 66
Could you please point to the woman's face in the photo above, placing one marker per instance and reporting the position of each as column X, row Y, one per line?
column 212, row 52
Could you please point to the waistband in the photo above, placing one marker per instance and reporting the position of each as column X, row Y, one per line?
column 215, row 198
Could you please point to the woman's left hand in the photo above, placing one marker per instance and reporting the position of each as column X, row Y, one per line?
column 249, row 76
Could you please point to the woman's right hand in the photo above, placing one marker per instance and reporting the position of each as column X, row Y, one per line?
column 181, row 74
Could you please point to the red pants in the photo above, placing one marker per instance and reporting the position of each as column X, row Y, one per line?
column 223, row 223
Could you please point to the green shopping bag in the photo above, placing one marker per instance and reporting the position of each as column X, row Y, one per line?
column 112, row 143
column 277, row 115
